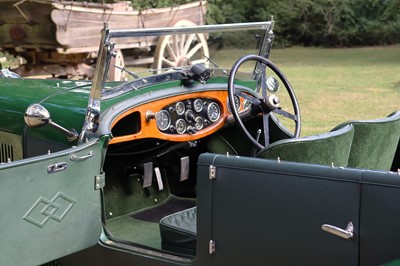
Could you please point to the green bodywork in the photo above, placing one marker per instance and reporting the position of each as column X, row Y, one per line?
column 40, row 206
column 66, row 100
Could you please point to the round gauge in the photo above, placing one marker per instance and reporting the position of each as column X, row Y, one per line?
column 180, row 108
column 213, row 112
column 272, row 84
column 237, row 103
column 180, row 126
column 199, row 123
column 198, row 105
column 163, row 120
column 246, row 104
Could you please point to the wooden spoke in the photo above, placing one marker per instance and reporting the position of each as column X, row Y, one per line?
column 116, row 73
column 188, row 43
column 180, row 50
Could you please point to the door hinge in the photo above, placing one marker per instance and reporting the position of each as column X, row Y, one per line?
column 211, row 247
column 100, row 181
column 212, row 172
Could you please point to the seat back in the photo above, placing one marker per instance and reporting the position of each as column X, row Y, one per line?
column 327, row 149
column 375, row 142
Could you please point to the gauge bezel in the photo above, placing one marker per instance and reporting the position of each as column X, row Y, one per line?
column 196, row 104
column 159, row 120
column 272, row 84
column 180, row 110
column 199, row 118
column 177, row 128
column 246, row 104
column 209, row 107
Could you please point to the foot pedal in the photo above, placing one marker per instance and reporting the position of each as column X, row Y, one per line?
column 184, row 168
column 159, row 179
column 148, row 174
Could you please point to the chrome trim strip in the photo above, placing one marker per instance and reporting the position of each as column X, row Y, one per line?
column 92, row 118
column 194, row 29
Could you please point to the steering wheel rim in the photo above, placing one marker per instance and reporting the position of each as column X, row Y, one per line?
column 264, row 63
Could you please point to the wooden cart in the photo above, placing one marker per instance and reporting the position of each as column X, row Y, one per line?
column 60, row 38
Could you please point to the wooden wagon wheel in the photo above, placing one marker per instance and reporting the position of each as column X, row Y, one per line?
column 181, row 49
column 115, row 73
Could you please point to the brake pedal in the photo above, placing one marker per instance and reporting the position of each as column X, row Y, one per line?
column 159, row 179
column 184, row 168
column 148, row 174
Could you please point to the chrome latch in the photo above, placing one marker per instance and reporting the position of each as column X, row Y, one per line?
column 346, row 233
column 75, row 157
column 57, row 167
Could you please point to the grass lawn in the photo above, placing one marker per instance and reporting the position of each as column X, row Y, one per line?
column 335, row 85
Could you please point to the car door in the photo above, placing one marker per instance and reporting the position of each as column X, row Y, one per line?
column 50, row 205
column 263, row 212
column 380, row 218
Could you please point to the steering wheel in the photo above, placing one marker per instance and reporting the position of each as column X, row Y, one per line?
column 267, row 103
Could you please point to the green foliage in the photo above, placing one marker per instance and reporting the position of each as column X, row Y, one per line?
column 329, row 23
column 223, row 11
column 146, row 4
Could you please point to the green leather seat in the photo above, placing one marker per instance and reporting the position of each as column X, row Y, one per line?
column 178, row 232
column 375, row 142
column 326, row 149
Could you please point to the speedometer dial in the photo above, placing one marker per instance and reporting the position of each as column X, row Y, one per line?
column 213, row 112
column 163, row 120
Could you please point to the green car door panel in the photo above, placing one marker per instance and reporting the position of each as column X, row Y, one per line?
column 49, row 205
column 380, row 218
column 256, row 202
column 300, row 199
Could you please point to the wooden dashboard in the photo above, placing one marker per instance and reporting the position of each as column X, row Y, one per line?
column 177, row 118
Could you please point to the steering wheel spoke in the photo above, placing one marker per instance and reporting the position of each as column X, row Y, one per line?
column 247, row 97
column 263, row 81
column 268, row 103
column 282, row 112
column 266, row 129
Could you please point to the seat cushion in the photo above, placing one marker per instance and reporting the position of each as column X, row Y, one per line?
column 178, row 232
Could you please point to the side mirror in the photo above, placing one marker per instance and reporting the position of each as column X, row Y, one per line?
column 37, row 116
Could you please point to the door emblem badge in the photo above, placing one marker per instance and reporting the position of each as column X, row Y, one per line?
column 43, row 210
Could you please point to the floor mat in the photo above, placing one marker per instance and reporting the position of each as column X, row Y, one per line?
column 172, row 205
column 136, row 231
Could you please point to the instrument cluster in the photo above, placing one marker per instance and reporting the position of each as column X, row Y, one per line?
column 188, row 116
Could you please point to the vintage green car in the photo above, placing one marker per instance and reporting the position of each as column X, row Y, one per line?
column 200, row 163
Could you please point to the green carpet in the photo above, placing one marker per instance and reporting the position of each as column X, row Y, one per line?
column 145, row 230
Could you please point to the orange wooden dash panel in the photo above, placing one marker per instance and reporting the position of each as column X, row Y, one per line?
column 149, row 129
